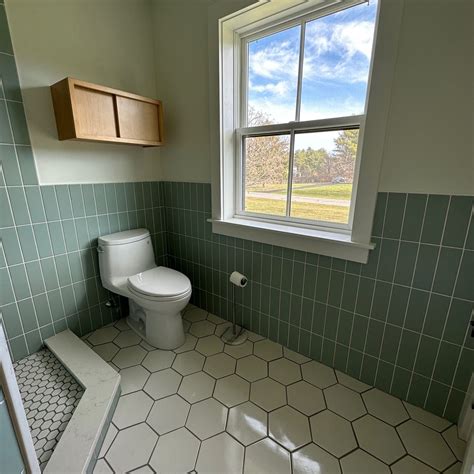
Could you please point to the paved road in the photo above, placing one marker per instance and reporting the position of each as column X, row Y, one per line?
column 295, row 198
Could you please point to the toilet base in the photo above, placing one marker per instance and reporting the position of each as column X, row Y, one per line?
column 163, row 331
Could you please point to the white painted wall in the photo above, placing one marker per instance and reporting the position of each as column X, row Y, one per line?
column 109, row 42
column 428, row 145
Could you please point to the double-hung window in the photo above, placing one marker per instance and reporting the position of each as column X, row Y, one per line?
column 294, row 83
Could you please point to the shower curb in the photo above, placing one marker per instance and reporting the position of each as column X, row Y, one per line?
column 82, row 439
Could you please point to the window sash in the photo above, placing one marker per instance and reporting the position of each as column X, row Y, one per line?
column 291, row 128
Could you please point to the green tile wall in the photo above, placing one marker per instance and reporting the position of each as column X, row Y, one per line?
column 49, row 276
column 399, row 322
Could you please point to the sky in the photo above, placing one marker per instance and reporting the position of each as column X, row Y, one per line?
column 337, row 53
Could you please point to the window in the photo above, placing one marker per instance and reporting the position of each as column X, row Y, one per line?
column 303, row 103
column 303, row 93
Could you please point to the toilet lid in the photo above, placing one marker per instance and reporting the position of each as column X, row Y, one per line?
column 160, row 281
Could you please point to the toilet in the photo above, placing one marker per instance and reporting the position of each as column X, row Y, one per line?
column 157, row 295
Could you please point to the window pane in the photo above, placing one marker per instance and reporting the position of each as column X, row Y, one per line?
column 323, row 172
column 273, row 77
column 266, row 174
column 337, row 54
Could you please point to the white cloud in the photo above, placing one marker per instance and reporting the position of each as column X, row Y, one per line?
column 275, row 61
column 280, row 88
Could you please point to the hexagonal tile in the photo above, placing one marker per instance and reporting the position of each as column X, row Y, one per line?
column 127, row 339
column 351, row 382
column 195, row 314
column 190, row 342
column 109, row 437
column 215, row 319
column 239, row 351
column 219, row 365
column 196, row 387
column 103, row 335
column 306, row 398
column 188, row 362
column 284, row 371
column 289, row 427
column 268, row 350
column 207, row 418
column 426, row 445
column 252, row 368
column 129, row 357
column 359, row 461
column 175, row 452
column 220, row 454
column 344, row 402
column 132, row 409
column 221, row 328
column 162, row 384
column 106, row 351
column 409, row 465
column 385, row 406
column 426, row 418
column 333, row 433
column 318, row 374
column 168, row 414
column 133, row 379
column 158, row 360
column 247, row 423
column 202, row 328
column 209, row 345
column 267, row 456
column 457, row 445
column 131, row 448
column 379, row 439
column 295, row 356
column 268, row 394
column 101, row 467
column 232, row 390
column 122, row 324
column 313, row 459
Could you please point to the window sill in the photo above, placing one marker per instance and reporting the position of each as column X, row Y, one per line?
column 332, row 244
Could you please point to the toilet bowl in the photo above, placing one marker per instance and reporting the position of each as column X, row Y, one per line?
column 156, row 294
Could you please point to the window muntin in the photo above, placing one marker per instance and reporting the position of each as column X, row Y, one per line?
column 308, row 77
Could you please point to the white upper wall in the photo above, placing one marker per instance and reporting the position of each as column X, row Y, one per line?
column 109, row 42
column 428, row 145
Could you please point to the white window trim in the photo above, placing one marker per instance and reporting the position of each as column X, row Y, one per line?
column 224, row 23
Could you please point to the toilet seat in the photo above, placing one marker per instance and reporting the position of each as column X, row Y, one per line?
column 160, row 284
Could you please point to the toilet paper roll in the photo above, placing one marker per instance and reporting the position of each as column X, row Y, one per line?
column 238, row 279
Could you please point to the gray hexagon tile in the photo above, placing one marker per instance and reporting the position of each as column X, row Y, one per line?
column 50, row 395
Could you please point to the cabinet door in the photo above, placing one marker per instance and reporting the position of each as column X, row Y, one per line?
column 94, row 113
column 138, row 120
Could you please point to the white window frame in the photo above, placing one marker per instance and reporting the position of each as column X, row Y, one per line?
column 350, row 241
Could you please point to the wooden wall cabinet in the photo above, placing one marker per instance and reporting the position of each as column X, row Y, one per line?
column 86, row 111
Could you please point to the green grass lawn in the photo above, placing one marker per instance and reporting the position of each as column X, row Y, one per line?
column 328, row 191
column 303, row 210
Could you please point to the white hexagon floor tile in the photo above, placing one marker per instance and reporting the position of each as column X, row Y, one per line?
column 351, row 382
column 127, row 339
column 268, row 394
column 232, row 390
column 426, row 418
column 318, row 374
column 344, row 402
column 209, row 345
column 313, row 459
column 219, row 365
column 379, row 439
column 188, row 362
column 239, row 351
column 333, row 433
column 168, row 414
column 133, row 379
column 426, row 445
column 190, row 342
column 268, row 350
column 195, row 314
column 220, row 454
column 247, row 422
column 158, row 360
column 162, row 384
column 359, row 461
column 385, row 406
column 103, row 335
column 129, row 357
column 106, row 351
column 410, row 465
column 284, row 371
column 289, row 428
column 266, row 456
column 295, row 356
column 175, row 452
column 132, row 409
column 207, row 418
column 196, row 387
column 252, row 368
column 202, row 328
column 457, row 445
column 306, row 398
column 131, row 448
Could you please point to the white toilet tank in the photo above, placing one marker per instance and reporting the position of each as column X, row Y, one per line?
column 124, row 254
